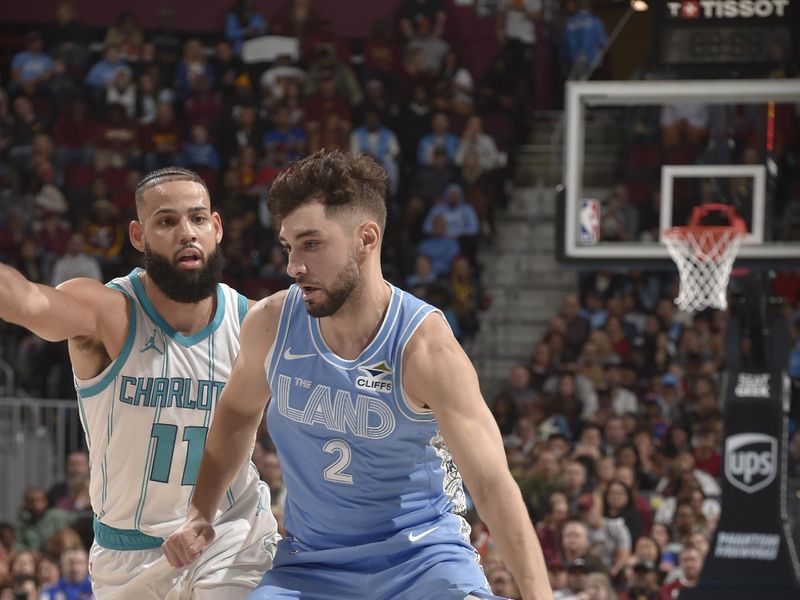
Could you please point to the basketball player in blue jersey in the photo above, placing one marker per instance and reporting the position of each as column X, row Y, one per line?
column 372, row 404
column 150, row 353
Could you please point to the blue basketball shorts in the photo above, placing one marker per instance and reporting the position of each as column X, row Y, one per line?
column 411, row 565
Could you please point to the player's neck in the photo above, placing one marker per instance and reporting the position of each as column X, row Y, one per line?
column 357, row 322
column 186, row 319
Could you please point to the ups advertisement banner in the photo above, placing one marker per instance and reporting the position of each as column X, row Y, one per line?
column 752, row 554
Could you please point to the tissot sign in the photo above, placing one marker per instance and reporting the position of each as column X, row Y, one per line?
column 727, row 9
column 703, row 36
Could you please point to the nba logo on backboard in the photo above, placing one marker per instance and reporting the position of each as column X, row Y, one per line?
column 589, row 222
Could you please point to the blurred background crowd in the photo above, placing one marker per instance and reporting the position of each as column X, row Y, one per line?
column 612, row 424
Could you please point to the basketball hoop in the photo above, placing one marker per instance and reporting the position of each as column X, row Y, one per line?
column 704, row 255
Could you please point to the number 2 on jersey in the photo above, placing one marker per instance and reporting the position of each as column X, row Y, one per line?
column 335, row 472
column 166, row 435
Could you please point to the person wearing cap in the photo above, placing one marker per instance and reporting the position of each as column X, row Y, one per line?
column 644, row 581
column 578, row 571
column 557, row 573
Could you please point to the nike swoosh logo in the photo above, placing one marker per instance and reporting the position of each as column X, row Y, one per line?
column 412, row 537
column 289, row 356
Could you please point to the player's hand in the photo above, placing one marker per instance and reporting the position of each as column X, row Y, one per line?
column 185, row 545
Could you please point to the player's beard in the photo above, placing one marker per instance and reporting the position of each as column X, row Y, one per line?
column 347, row 279
column 181, row 285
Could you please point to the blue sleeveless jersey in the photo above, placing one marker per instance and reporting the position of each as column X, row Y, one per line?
column 359, row 462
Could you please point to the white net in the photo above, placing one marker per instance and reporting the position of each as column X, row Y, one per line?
column 705, row 258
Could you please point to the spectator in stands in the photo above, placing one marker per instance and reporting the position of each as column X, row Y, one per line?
column 610, row 538
column 432, row 48
column 127, row 34
column 36, row 522
column 411, row 11
column 74, row 134
column 691, row 564
column 284, row 137
column 460, row 218
column 474, row 139
column 325, row 66
column 467, row 297
column 297, row 19
column 325, row 101
column 576, row 545
column 439, row 247
column 191, row 66
column 439, row 138
column 31, row 68
column 103, row 71
column 516, row 32
column 502, row 583
column 422, row 274
column 198, row 152
column 32, row 262
column 66, row 38
column 413, row 122
column 228, row 66
column 121, row 90
column 161, row 140
column 74, row 583
column 76, row 468
column 118, row 141
column 458, row 83
column 619, row 502
column 497, row 85
column 203, row 106
column 276, row 79
column 47, row 572
column 683, row 122
column 23, row 128
column 243, row 23
column 584, row 41
column 381, row 55
column 245, row 131
column 76, row 263
column 374, row 139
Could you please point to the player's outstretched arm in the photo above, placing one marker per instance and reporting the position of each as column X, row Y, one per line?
column 230, row 438
column 75, row 308
column 474, row 440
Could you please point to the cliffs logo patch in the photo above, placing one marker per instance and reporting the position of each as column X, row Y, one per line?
column 375, row 378
column 751, row 461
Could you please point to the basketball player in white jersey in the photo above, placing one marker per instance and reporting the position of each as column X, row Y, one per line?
column 372, row 404
column 150, row 353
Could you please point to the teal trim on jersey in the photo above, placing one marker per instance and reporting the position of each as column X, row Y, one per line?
column 84, row 422
column 401, row 401
column 284, row 320
column 123, row 539
column 181, row 339
column 243, row 307
column 389, row 320
column 118, row 362
column 151, row 448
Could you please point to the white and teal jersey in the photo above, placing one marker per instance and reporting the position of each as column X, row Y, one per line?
column 359, row 461
column 147, row 414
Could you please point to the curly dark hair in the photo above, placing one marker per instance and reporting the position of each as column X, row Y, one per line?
column 341, row 181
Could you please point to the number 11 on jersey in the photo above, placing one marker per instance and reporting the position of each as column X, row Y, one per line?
column 166, row 435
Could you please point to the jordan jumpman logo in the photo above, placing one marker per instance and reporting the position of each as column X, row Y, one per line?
column 151, row 344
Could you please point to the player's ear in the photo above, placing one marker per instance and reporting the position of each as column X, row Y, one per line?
column 370, row 236
column 217, row 225
column 136, row 233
